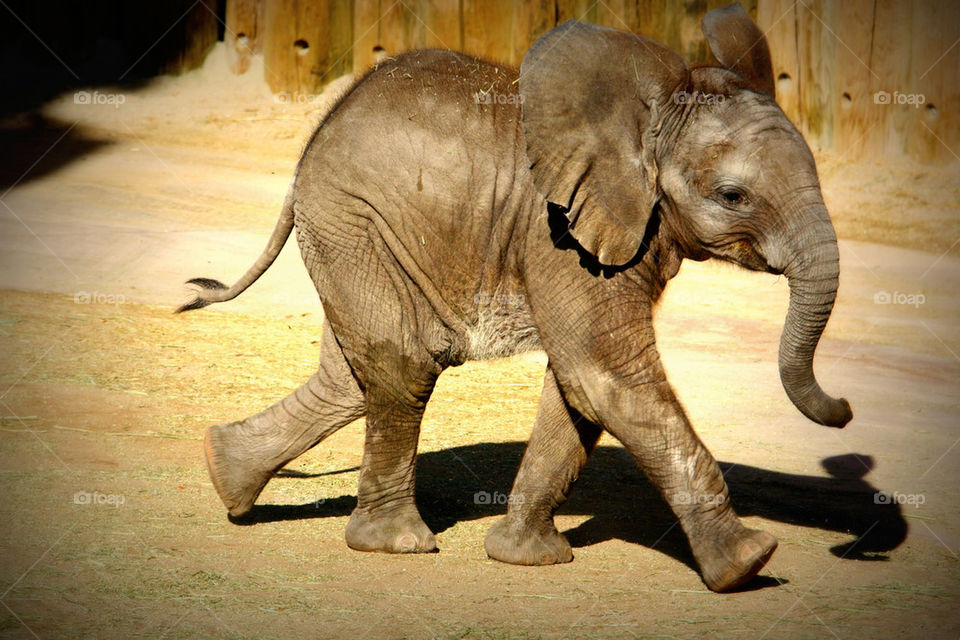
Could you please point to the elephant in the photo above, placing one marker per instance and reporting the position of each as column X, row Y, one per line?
column 451, row 209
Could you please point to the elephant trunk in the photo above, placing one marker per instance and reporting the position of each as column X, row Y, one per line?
column 813, row 274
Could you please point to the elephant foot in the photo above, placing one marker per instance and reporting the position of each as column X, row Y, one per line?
column 732, row 562
column 236, row 474
column 398, row 531
column 512, row 542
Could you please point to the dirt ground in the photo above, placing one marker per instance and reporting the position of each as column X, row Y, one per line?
column 110, row 528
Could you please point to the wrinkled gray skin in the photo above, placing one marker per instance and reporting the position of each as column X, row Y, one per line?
column 422, row 216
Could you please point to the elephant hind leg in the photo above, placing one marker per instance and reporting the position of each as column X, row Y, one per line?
column 243, row 456
column 398, row 382
column 559, row 446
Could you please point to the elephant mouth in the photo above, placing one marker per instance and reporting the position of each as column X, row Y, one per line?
column 744, row 252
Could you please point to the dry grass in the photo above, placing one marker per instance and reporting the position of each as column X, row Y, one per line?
column 113, row 399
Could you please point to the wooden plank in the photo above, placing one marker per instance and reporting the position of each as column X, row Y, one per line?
column 582, row 10
column 488, row 29
column 891, row 38
column 402, row 26
column 335, row 42
column 944, row 117
column 240, row 33
column 309, row 59
column 192, row 37
column 932, row 123
column 619, row 14
column 850, row 99
column 530, row 21
column 902, row 112
column 279, row 56
column 660, row 20
column 366, row 29
column 419, row 24
column 816, row 52
column 778, row 19
column 306, row 44
column 442, row 18
column 830, row 59
column 387, row 28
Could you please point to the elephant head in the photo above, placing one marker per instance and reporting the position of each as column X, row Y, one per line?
column 620, row 131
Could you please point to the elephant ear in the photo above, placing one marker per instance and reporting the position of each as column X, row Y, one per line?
column 589, row 101
column 740, row 46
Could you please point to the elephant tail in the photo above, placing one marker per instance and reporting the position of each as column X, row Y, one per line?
column 211, row 291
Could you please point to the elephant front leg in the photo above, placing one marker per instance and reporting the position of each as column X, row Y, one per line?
column 650, row 423
column 558, row 449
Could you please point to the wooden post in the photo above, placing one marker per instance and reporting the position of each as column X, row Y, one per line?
column 620, row 14
column 891, row 37
column 197, row 33
column 848, row 96
column 530, row 21
column 934, row 73
column 420, row 24
column 242, row 34
column 168, row 37
column 306, row 44
column 830, row 59
column 817, row 51
column 778, row 19
column 582, row 10
column 488, row 29
column 366, row 29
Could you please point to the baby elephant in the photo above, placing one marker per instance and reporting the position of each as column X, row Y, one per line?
column 450, row 209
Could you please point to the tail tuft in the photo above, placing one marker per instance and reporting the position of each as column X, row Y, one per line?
column 205, row 284
column 211, row 291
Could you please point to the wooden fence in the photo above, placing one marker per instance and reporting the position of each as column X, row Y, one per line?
column 863, row 77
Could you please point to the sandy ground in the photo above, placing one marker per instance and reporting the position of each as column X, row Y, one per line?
column 105, row 396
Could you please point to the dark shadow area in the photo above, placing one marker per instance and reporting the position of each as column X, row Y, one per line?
column 50, row 47
column 34, row 146
column 97, row 50
column 759, row 582
column 844, row 502
column 293, row 473
column 470, row 482
column 323, row 508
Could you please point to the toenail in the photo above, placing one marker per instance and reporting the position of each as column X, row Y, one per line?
column 407, row 543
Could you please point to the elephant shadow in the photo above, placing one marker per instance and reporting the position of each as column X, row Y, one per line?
column 470, row 482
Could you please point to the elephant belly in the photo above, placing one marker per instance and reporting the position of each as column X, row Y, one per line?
column 503, row 327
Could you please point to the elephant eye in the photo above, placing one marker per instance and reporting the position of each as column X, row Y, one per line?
column 732, row 196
